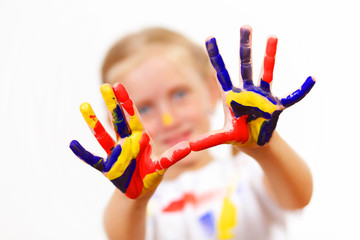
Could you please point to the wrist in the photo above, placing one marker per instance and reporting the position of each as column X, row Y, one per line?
column 257, row 151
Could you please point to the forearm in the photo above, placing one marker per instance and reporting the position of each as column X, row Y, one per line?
column 125, row 218
column 286, row 176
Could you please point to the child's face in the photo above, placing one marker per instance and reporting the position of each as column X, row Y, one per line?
column 172, row 99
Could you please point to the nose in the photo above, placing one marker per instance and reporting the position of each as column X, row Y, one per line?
column 167, row 119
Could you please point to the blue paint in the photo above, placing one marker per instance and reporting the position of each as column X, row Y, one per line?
column 267, row 128
column 208, row 223
column 120, row 124
column 245, row 35
column 89, row 158
column 113, row 157
column 218, row 63
column 263, row 93
column 265, row 86
column 245, row 57
column 253, row 112
column 298, row 94
column 123, row 181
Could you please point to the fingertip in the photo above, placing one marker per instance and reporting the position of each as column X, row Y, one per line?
column 120, row 92
column 311, row 78
column 105, row 89
column 74, row 144
column 271, row 46
column 211, row 47
column 85, row 107
column 77, row 149
column 245, row 34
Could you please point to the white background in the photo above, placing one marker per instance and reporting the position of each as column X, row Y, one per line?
column 50, row 58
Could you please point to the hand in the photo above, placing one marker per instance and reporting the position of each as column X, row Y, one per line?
column 251, row 112
column 130, row 165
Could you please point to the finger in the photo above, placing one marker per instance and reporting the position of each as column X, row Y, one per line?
column 269, row 63
column 123, row 97
column 97, row 128
column 89, row 158
column 127, row 104
column 175, row 154
column 112, row 158
column 299, row 94
column 118, row 119
column 218, row 63
column 245, row 56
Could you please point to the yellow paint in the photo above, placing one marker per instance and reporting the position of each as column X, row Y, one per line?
column 227, row 220
column 88, row 114
column 135, row 124
column 109, row 96
column 153, row 179
column 254, row 129
column 251, row 99
column 130, row 150
column 167, row 119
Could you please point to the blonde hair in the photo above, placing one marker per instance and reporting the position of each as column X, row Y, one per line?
column 136, row 46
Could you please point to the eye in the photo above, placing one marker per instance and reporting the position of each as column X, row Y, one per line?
column 180, row 94
column 144, row 109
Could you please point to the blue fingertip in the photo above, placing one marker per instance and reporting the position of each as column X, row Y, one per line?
column 89, row 158
column 212, row 47
column 299, row 94
column 112, row 158
column 77, row 149
column 218, row 64
column 244, row 35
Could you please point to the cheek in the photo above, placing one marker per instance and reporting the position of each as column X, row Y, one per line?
column 150, row 125
column 195, row 113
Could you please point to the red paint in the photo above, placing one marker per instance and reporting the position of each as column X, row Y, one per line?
column 241, row 130
column 123, row 97
column 269, row 59
column 239, row 133
column 93, row 117
column 136, row 183
column 189, row 198
column 104, row 139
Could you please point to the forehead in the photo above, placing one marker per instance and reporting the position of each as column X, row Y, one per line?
column 158, row 74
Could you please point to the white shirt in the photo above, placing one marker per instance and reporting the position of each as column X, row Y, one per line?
column 225, row 199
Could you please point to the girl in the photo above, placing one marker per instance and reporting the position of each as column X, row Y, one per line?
column 174, row 89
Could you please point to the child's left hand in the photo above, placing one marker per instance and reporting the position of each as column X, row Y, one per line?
column 251, row 112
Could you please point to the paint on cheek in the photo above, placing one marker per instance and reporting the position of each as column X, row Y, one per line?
column 167, row 119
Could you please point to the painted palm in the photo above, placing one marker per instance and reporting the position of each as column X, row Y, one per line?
column 130, row 164
column 251, row 112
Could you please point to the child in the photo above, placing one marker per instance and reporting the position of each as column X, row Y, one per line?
column 174, row 89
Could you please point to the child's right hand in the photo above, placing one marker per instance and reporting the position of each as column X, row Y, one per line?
column 130, row 165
